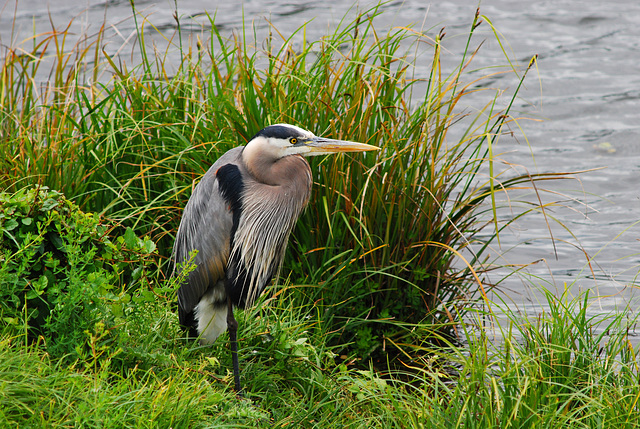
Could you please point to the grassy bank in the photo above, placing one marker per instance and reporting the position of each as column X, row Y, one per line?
column 560, row 374
column 365, row 327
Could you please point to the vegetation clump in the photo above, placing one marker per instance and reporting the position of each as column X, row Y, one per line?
column 382, row 237
column 63, row 277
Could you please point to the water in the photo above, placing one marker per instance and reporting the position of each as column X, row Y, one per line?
column 586, row 91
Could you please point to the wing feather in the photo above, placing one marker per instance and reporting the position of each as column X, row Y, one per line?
column 206, row 226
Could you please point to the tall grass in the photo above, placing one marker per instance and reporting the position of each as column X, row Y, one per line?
column 382, row 234
column 560, row 368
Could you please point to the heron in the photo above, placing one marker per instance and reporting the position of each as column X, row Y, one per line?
column 239, row 218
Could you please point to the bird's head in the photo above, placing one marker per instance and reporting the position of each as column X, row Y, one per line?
column 281, row 140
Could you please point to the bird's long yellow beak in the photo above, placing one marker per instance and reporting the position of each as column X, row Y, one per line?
column 321, row 145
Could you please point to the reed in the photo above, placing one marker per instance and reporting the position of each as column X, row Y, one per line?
column 382, row 234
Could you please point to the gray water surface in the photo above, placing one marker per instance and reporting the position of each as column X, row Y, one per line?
column 585, row 91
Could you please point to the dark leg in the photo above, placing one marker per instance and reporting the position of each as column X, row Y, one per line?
column 232, row 326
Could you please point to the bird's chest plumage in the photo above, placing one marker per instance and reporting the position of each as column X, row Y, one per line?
column 263, row 218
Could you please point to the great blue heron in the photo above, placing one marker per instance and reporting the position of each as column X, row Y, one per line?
column 239, row 218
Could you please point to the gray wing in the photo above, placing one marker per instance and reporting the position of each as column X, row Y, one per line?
column 206, row 226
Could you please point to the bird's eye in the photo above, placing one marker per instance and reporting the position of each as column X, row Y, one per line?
column 293, row 140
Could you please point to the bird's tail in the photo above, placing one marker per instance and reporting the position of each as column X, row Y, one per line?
column 211, row 319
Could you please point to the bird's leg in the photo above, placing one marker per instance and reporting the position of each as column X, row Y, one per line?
column 232, row 326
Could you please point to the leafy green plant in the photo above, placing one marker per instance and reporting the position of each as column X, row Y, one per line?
column 62, row 278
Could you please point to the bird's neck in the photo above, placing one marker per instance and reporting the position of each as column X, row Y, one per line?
column 259, row 164
column 292, row 170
